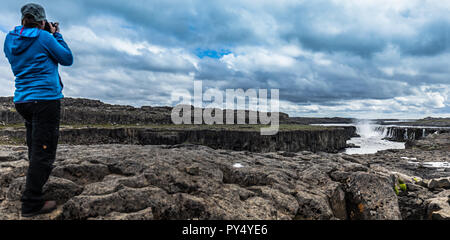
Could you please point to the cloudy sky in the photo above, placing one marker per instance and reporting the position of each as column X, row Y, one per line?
column 347, row 58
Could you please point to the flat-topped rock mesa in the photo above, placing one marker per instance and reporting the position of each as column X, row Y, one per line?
column 87, row 111
column 428, row 121
column 308, row 121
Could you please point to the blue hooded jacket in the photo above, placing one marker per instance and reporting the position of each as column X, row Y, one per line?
column 34, row 55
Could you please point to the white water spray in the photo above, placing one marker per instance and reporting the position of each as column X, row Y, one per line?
column 371, row 139
column 367, row 129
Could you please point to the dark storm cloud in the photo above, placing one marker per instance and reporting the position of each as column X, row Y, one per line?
column 298, row 90
column 316, row 26
column 433, row 39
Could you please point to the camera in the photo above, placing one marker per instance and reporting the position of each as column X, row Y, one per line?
column 47, row 26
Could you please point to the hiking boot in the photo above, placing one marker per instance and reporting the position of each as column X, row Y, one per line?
column 48, row 207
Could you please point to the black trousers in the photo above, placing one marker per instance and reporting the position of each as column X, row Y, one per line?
column 42, row 120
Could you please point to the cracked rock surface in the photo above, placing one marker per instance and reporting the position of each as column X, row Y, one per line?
column 131, row 182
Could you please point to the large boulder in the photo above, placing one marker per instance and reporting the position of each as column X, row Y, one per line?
column 371, row 197
column 126, row 200
column 81, row 173
column 438, row 208
column 57, row 189
column 439, row 183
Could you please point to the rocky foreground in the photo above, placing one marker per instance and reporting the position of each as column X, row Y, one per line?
column 198, row 182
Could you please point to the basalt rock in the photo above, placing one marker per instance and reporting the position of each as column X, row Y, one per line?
column 305, row 120
column 58, row 189
column 371, row 197
column 197, row 182
column 439, row 183
column 87, row 111
column 410, row 134
column 189, row 182
column 429, row 121
column 438, row 208
column 432, row 142
column 326, row 139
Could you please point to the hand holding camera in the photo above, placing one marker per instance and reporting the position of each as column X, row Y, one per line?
column 51, row 27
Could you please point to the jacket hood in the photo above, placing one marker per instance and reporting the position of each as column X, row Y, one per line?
column 22, row 38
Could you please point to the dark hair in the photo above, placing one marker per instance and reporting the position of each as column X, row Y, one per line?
column 28, row 21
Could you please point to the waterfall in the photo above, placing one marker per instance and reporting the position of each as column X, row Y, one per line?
column 367, row 129
column 385, row 132
column 372, row 138
column 423, row 133
column 389, row 133
column 405, row 137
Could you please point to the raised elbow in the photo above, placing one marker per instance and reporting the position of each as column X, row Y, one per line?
column 67, row 61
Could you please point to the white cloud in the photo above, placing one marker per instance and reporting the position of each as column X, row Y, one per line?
column 249, row 59
column 425, row 102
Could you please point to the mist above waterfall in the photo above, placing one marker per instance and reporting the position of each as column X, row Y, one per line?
column 368, row 129
column 371, row 139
